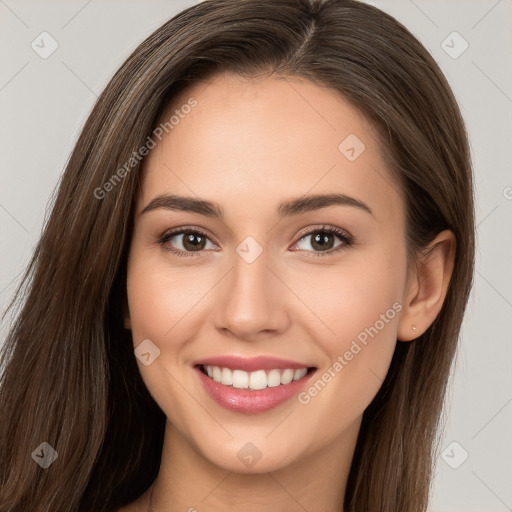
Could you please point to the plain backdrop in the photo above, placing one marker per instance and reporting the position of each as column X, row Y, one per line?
column 44, row 102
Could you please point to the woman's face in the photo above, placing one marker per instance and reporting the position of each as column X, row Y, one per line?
column 268, row 278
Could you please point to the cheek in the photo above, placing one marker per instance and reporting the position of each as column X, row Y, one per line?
column 164, row 308
column 352, row 296
column 162, row 302
column 359, row 307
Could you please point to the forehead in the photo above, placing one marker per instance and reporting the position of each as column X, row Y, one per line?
column 267, row 138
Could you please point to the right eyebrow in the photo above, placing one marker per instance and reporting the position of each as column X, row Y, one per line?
column 185, row 204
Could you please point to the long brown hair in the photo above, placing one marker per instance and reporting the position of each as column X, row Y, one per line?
column 69, row 374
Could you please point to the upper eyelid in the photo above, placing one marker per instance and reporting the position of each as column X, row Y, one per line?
column 325, row 227
column 181, row 230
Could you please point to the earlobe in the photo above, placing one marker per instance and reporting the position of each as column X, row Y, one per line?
column 427, row 286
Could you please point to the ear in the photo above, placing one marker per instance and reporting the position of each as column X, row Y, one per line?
column 126, row 314
column 427, row 286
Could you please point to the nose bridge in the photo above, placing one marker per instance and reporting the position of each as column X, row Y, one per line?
column 249, row 301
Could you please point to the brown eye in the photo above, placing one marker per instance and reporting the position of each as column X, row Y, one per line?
column 323, row 241
column 183, row 242
column 193, row 242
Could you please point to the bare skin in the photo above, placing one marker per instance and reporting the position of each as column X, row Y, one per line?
column 249, row 145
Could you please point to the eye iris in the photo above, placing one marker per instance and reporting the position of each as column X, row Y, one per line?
column 189, row 244
column 320, row 241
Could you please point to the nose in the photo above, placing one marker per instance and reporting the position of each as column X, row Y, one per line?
column 251, row 302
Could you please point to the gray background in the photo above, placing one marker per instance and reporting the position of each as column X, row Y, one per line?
column 44, row 103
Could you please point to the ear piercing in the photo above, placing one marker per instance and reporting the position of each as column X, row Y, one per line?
column 414, row 328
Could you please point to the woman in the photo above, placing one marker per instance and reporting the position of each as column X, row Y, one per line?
column 251, row 285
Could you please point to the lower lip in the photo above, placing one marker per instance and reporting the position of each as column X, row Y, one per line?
column 248, row 401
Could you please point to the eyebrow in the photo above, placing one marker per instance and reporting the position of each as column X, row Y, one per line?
column 287, row 208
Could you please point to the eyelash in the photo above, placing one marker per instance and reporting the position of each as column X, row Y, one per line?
column 345, row 237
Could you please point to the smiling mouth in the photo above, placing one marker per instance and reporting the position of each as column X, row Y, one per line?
column 256, row 380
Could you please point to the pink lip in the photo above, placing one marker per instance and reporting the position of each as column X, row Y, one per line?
column 245, row 400
column 251, row 364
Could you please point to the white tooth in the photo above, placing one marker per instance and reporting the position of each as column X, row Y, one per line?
column 240, row 379
column 273, row 378
column 299, row 373
column 287, row 376
column 217, row 374
column 258, row 379
column 227, row 377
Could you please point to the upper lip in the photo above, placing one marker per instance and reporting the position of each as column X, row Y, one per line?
column 250, row 364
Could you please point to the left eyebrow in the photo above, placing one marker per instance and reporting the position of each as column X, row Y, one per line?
column 287, row 208
column 316, row 202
